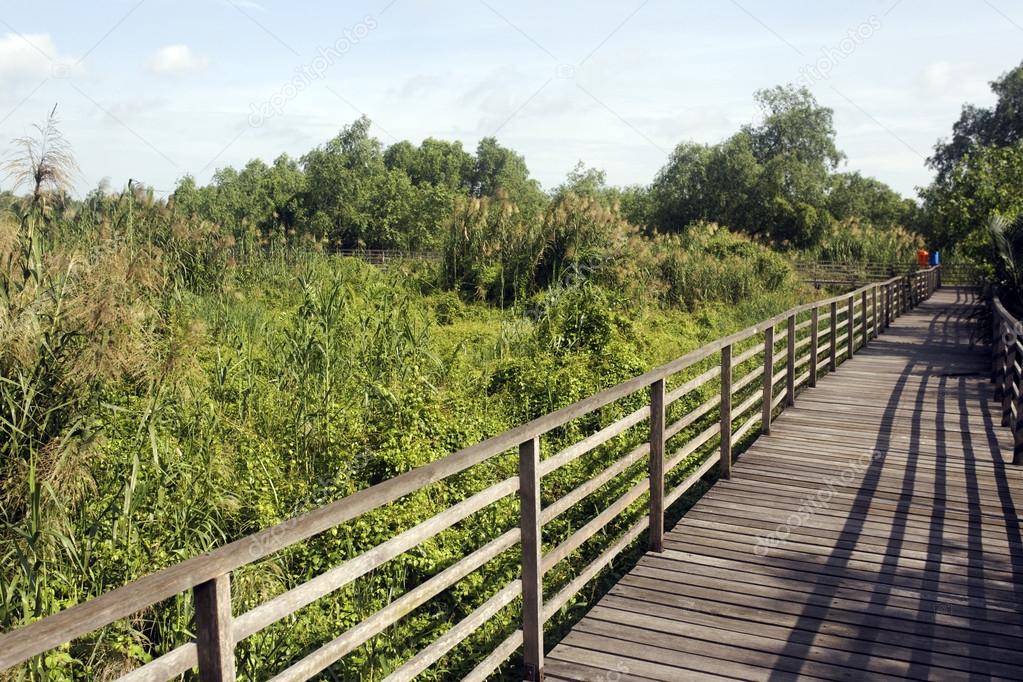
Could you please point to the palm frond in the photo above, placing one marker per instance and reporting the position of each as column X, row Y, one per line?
column 1007, row 243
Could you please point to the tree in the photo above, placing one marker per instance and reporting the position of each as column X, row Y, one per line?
column 769, row 180
column 999, row 126
column 679, row 194
column 735, row 175
column 500, row 172
column 343, row 178
column 983, row 183
column 851, row 195
column 584, row 182
column 361, row 197
column 435, row 162
column 794, row 125
column 253, row 203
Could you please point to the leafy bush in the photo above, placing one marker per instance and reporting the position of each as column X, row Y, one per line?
column 708, row 263
column 859, row 242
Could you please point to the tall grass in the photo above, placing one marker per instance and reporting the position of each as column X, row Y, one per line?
column 164, row 392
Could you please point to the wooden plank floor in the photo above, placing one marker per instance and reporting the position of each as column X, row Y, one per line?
column 873, row 535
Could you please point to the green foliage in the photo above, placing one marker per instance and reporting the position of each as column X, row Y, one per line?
column 501, row 172
column 276, row 389
column 1006, row 241
column 177, row 375
column 491, row 249
column 978, row 127
column 985, row 182
column 969, row 209
column 852, row 196
column 708, row 263
column 794, row 126
column 774, row 181
column 853, row 241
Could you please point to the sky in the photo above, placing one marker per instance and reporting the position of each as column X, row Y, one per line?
column 152, row 90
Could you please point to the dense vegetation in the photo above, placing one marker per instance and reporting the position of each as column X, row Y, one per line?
column 177, row 374
column 979, row 177
column 776, row 182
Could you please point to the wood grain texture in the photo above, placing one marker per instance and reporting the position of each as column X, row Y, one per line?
column 532, row 546
column 873, row 535
column 725, row 425
column 656, row 467
column 214, row 638
column 768, row 373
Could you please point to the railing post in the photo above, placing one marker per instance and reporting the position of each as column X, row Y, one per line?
column 865, row 332
column 726, row 412
column 998, row 350
column 851, row 337
column 888, row 305
column 833, row 342
column 1017, row 426
column 532, row 578
column 1014, row 395
column 874, row 324
column 765, row 414
column 884, row 308
column 1008, row 377
column 214, row 636
column 814, row 320
column 790, row 363
column 657, row 466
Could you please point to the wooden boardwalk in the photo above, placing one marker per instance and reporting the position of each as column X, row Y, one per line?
column 875, row 534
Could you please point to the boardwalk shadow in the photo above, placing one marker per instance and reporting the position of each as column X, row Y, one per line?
column 946, row 461
column 911, row 565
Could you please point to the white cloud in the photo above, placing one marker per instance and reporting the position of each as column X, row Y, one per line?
column 33, row 56
column 177, row 60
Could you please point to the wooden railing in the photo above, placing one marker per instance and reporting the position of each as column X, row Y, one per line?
column 815, row 336
column 1006, row 372
column 852, row 273
column 385, row 256
column 849, row 273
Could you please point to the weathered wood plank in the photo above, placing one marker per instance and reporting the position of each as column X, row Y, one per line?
column 889, row 492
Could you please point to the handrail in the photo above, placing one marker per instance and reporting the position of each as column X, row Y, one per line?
column 1006, row 358
column 865, row 313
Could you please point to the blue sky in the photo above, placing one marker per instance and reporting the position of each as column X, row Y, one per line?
column 156, row 89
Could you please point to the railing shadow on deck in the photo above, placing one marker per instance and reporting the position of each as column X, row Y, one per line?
column 686, row 437
column 890, row 581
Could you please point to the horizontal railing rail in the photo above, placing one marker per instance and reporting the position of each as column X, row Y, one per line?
column 1006, row 372
column 740, row 382
column 849, row 273
column 384, row 256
